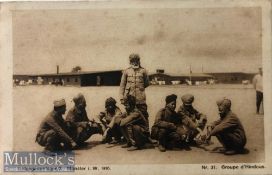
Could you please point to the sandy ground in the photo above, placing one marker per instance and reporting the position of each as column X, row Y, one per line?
column 32, row 103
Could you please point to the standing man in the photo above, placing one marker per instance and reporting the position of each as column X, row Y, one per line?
column 53, row 132
column 134, row 81
column 228, row 129
column 258, row 86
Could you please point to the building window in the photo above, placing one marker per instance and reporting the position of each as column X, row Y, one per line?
column 76, row 80
column 68, row 79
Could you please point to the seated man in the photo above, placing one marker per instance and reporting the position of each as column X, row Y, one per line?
column 80, row 127
column 53, row 133
column 112, row 130
column 228, row 129
column 193, row 121
column 133, row 125
column 165, row 127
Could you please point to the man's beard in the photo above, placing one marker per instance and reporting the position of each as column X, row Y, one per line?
column 135, row 66
column 222, row 115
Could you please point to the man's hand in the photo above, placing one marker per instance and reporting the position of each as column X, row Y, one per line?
column 209, row 129
column 105, row 134
column 122, row 101
column 102, row 114
column 74, row 144
column 208, row 137
column 172, row 127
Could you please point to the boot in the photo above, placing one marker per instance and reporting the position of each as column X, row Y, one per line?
column 161, row 148
column 133, row 148
column 126, row 145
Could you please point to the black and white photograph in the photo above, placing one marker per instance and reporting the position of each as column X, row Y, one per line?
column 145, row 83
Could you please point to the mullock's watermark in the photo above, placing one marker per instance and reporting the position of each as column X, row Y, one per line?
column 38, row 162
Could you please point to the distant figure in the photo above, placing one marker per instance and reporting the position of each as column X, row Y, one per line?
column 53, row 132
column 258, row 86
column 134, row 81
column 228, row 129
column 80, row 127
column 193, row 121
column 134, row 125
column 112, row 131
column 98, row 80
column 165, row 128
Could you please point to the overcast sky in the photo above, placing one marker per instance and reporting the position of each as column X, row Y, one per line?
column 219, row 40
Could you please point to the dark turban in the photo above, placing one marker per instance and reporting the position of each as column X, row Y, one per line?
column 170, row 98
column 110, row 101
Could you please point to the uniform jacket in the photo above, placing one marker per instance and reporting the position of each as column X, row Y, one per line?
column 74, row 115
column 167, row 119
column 230, row 123
column 135, row 118
column 189, row 117
column 107, row 118
column 56, row 123
column 134, row 82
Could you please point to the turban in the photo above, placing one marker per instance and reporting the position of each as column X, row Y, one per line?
column 187, row 99
column 59, row 103
column 79, row 98
column 110, row 101
column 224, row 101
column 170, row 98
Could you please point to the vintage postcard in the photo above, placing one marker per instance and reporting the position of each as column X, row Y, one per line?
column 137, row 87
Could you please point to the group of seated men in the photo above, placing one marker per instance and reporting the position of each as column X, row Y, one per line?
column 171, row 129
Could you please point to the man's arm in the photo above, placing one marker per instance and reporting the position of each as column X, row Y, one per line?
column 131, row 117
column 161, row 123
column 185, row 119
column 188, row 122
column 197, row 114
column 224, row 125
column 100, row 118
column 70, row 117
column 59, row 130
column 146, row 79
column 123, row 86
column 85, row 116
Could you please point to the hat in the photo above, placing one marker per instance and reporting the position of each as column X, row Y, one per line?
column 170, row 98
column 79, row 98
column 110, row 101
column 134, row 57
column 224, row 101
column 59, row 103
column 187, row 99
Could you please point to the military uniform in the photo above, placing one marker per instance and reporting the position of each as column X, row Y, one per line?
column 230, row 132
column 165, row 128
column 108, row 121
column 135, row 128
column 80, row 127
column 53, row 133
column 191, row 118
column 133, row 82
column 75, row 115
